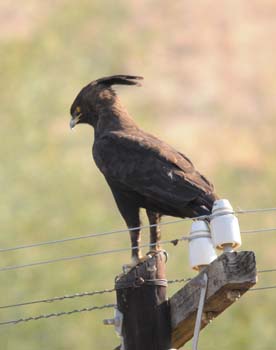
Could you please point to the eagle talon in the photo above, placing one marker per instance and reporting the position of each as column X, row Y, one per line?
column 154, row 250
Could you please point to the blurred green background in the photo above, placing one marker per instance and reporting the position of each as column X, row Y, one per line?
column 209, row 90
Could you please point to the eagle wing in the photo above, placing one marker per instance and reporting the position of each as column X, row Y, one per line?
column 140, row 162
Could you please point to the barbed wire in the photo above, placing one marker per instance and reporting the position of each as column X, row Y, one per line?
column 181, row 280
column 92, row 235
column 97, row 292
column 56, row 314
column 87, row 309
column 93, row 308
column 83, row 294
column 78, row 295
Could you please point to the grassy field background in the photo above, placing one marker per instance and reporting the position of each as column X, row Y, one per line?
column 209, row 90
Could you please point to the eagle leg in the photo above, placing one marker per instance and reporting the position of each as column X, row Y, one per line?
column 135, row 237
column 155, row 233
column 130, row 212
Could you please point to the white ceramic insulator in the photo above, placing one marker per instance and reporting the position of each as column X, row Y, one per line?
column 225, row 227
column 201, row 249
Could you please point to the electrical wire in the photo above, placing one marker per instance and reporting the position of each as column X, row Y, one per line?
column 259, row 230
column 254, row 211
column 264, row 271
column 105, row 252
column 81, row 256
column 93, row 235
column 75, row 257
column 76, row 295
column 261, row 288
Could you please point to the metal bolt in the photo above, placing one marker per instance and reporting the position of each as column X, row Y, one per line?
column 109, row 321
column 228, row 247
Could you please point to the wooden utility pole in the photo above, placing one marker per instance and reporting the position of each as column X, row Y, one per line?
column 150, row 322
column 141, row 297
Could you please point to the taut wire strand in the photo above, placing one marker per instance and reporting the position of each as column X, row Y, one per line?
column 119, row 250
column 261, row 288
column 92, row 235
column 254, row 211
column 75, row 257
column 268, row 270
column 259, row 230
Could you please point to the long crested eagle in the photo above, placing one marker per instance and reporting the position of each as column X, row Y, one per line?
column 141, row 170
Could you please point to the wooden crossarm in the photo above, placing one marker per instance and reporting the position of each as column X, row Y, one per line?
column 229, row 277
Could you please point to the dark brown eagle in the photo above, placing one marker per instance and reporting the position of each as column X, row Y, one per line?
column 141, row 170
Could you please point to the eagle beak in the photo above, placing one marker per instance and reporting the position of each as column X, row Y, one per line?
column 74, row 121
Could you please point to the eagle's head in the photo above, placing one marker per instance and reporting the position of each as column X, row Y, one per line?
column 95, row 96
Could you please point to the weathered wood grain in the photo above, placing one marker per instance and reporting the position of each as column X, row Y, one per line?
column 146, row 324
column 229, row 276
